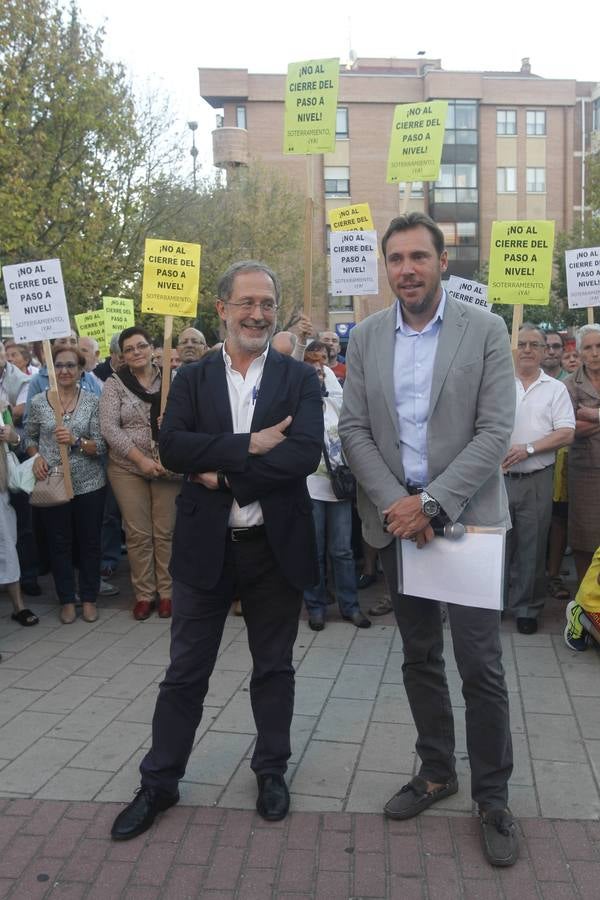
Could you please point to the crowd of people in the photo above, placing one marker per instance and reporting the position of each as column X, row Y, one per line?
column 266, row 483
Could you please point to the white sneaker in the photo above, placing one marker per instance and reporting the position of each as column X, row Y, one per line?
column 107, row 589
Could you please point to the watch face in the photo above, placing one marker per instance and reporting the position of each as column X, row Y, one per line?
column 430, row 507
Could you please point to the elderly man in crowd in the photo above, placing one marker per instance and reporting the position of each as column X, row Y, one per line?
column 336, row 361
column 544, row 422
column 191, row 345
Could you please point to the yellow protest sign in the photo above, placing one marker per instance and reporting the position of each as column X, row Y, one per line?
column 521, row 262
column 92, row 325
column 171, row 278
column 118, row 314
column 351, row 218
column 311, row 92
column 416, row 142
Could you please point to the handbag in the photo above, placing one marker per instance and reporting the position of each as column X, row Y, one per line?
column 20, row 474
column 51, row 490
column 343, row 482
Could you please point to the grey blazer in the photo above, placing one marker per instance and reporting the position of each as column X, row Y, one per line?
column 471, row 417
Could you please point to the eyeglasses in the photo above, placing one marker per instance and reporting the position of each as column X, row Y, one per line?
column 137, row 349
column 554, row 346
column 266, row 306
column 68, row 366
column 535, row 345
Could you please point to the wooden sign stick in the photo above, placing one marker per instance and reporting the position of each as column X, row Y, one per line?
column 405, row 197
column 517, row 321
column 166, row 366
column 54, row 402
column 590, row 310
column 308, row 236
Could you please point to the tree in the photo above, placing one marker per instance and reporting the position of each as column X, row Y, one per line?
column 78, row 154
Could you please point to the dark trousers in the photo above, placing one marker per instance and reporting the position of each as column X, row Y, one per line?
column 26, row 545
column 77, row 523
column 271, row 610
column 478, row 653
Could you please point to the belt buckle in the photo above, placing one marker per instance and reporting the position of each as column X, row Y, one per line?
column 234, row 531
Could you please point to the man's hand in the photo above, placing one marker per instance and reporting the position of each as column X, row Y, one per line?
column 404, row 519
column 516, row 454
column 208, row 479
column 263, row 441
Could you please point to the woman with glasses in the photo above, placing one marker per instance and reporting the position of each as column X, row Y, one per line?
column 145, row 492
column 79, row 522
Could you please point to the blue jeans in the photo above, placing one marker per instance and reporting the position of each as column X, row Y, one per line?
column 333, row 525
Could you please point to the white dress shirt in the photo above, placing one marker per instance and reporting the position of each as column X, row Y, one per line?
column 541, row 409
column 243, row 393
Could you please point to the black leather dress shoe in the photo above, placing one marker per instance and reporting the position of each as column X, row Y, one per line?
column 141, row 812
column 316, row 622
column 358, row 619
column 526, row 625
column 273, row 801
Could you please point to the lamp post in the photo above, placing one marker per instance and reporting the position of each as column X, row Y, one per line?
column 194, row 150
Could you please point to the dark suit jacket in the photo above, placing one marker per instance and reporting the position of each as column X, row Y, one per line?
column 197, row 436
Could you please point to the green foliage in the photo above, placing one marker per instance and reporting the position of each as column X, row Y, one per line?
column 78, row 154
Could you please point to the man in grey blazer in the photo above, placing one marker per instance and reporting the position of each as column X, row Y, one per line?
column 429, row 406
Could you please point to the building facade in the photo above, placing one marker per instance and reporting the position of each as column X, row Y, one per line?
column 514, row 148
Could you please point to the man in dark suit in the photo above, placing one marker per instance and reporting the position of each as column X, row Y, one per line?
column 245, row 426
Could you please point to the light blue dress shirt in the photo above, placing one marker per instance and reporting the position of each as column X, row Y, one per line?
column 414, row 357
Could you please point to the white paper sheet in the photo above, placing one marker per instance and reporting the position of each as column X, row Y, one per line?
column 468, row 571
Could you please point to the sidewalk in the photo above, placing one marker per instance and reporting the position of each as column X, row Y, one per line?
column 75, row 710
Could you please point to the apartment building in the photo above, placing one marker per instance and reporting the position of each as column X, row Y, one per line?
column 514, row 148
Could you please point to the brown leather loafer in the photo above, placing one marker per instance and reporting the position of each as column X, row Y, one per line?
column 142, row 610
column 414, row 797
column 164, row 608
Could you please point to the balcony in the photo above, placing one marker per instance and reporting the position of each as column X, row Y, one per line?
column 230, row 147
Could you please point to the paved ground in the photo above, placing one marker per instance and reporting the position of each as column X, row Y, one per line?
column 75, row 709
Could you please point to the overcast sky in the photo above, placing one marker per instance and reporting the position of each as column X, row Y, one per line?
column 167, row 43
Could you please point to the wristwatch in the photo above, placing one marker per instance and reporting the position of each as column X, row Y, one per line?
column 530, row 449
column 429, row 505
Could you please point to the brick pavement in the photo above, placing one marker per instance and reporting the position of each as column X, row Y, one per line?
column 75, row 709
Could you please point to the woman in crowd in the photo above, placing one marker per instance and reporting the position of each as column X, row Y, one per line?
column 9, row 560
column 77, row 523
column 333, row 522
column 20, row 356
column 129, row 414
column 584, row 454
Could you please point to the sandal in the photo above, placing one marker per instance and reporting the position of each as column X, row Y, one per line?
column 558, row 589
column 25, row 617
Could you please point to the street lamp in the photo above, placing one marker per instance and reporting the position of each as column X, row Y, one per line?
column 194, row 150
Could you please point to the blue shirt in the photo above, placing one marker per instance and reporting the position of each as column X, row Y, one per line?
column 40, row 382
column 414, row 357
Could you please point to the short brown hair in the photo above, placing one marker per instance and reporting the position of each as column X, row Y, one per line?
column 413, row 220
column 56, row 351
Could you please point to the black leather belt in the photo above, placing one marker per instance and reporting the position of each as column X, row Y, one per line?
column 239, row 535
column 526, row 474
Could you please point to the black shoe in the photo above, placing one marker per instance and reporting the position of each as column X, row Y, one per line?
column 141, row 812
column 316, row 622
column 499, row 837
column 273, row 801
column 31, row 588
column 526, row 626
column 366, row 581
column 358, row 619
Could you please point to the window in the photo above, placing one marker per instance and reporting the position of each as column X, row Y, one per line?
column 506, row 180
column 416, row 189
column 337, row 304
column 240, row 116
column 461, row 239
column 461, row 122
column 536, row 121
column 536, row 181
column 341, row 122
column 457, row 183
column 596, row 114
column 337, row 181
column 506, row 121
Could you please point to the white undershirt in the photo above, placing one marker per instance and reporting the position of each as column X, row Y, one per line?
column 243, row 393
